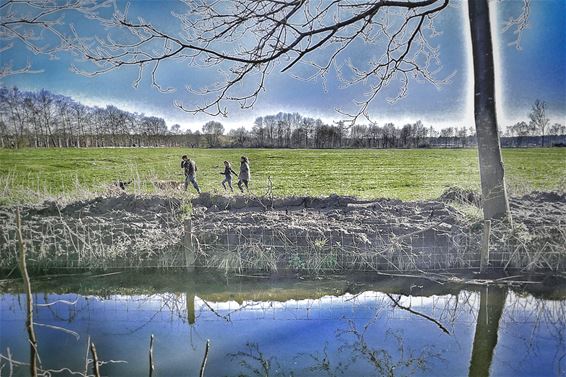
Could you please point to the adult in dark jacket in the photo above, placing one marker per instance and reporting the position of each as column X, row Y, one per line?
column 190, row 168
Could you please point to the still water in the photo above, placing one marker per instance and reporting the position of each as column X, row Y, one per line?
column 267, row 326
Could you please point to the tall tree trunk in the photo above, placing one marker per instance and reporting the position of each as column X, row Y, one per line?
column 492, row 174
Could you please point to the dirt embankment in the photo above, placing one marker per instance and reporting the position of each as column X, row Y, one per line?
column 123, row 230
column 299, row 233
column 339, row 233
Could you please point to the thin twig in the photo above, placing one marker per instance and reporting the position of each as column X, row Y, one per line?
column 10, row 362
column 151, row 365
column 29, row 299
column 86, row 357
column 95, row 366
column 70, row 332
column 205, row 358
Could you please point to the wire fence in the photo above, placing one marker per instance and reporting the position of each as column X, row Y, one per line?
column 429, row 249
column 78, row 245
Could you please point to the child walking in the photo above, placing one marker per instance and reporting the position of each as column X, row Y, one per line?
column 245, row 174
column 228, row 176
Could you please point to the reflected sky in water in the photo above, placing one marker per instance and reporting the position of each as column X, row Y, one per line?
column 366, row 333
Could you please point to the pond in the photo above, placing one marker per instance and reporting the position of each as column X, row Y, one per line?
column 338, row 325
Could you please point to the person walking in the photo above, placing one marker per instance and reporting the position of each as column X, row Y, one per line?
column 190, row 168
column 245, row 174
column 228, row 176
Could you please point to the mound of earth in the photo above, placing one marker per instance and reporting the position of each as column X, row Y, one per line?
column 122, row 206
column 460, row 195
column 540, row 209
column 386, row 233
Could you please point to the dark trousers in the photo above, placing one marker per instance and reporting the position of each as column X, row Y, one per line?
column 229, row 181
column 191, row 179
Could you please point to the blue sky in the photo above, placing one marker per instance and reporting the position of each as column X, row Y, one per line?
column 538, row 70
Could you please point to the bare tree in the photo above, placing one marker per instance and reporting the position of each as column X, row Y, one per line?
column 46, row 111
column 81, row 115
column 405, row 135
column 557, row 129
column 539, row 121
column 419, row 132
column 389, row 135
column 283, row 31
column 447, row 134
column 521, row 129
column 176, row 129
column 4, row 134
column 492, row 173
column 43, row 119
column 239, row 136
column 40, row 27
column 462, row 134
column 13, row 112
column 375, row 133
column 212, row 131
column 153, row 125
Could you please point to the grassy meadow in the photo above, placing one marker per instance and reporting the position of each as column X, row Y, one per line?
column 29, row 175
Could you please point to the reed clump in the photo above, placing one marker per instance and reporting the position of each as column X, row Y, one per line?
column 105, row 232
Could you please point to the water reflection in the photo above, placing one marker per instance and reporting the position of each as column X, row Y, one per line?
column 492, row 302
column 341, row 327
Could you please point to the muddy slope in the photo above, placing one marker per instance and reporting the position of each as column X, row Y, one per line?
column 346, row 233
column 300, row 233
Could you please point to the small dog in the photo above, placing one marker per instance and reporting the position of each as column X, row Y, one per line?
column 122, row 184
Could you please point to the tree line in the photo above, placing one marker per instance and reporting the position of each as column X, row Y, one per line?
column 45, row 119
column 292, row 130
column 538, row 126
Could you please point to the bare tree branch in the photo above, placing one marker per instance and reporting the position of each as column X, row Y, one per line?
column 39, row 25
column 246, row 40
column 519, row 23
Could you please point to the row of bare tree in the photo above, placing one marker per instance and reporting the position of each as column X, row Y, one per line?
column 292, row 130
column 45, row 119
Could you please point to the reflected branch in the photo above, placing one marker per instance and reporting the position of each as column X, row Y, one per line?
column 437, row 323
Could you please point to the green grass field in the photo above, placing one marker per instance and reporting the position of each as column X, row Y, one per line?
column 32, row 174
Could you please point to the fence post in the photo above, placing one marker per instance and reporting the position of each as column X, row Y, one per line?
column 188, row 245
column 484, row 253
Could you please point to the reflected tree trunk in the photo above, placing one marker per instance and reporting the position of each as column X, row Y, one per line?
column 494, row 194
column 492, row 303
